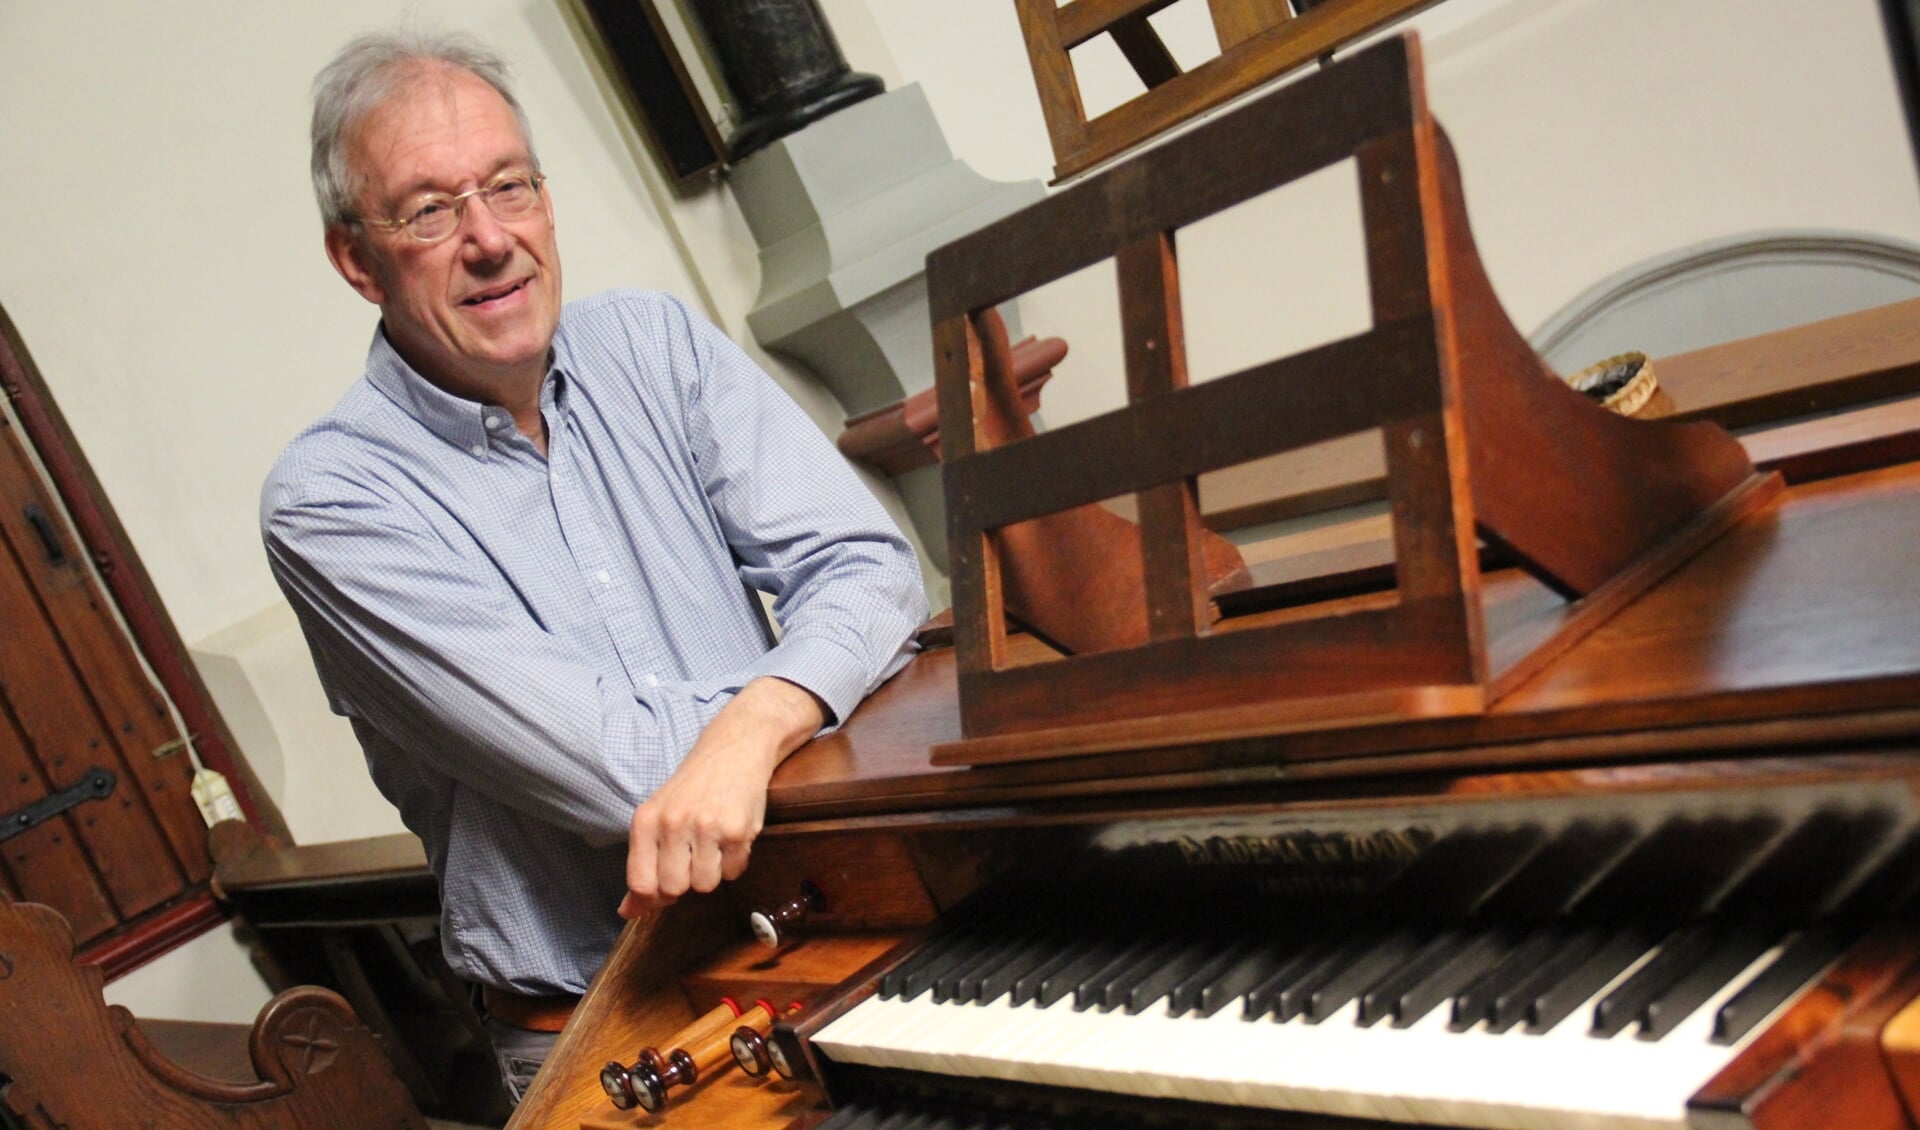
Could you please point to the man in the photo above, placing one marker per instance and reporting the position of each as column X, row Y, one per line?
column 521, row 547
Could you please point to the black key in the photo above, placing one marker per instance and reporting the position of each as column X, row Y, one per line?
column 1512, row 1006
column 1293, row 998
column 1454, row 875
column 967, row 948
column 1027, row 985
column 1264, row 996
column 1376, row 1004
column 1480, row 952
column 1060, row 984
column 1475, row 1002
column 1889, row 886
column 1185, row 994
column 1615, row 953
column 1368, row 970
column 1238, row 979
column 1804, row 957
column 1739, row 948
column 1180, row 965
column 987, row 985
column 991, row 954
column 1119, row 985
column 1091, row 989
column 1679, row 954
column 914, row 969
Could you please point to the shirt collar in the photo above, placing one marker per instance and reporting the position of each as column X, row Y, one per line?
column 461, row 422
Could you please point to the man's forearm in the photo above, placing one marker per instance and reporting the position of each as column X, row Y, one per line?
column 769, row 713
column 698, row 828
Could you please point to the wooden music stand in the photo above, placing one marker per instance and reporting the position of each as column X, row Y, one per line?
column 1480, row 437
column 1259, row 40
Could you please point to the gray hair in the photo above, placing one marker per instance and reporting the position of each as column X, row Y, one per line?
column 366, row 73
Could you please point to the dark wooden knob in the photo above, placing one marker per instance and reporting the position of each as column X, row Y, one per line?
column 775, row 927
column 623, row 1082
column 616, row 1079
column 651, row 1081
column 753, row 1051
column 650, row 1086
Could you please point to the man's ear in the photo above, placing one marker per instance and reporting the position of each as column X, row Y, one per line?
column 354, row 260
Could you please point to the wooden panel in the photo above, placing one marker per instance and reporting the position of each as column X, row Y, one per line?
column 1824, row 1054
column 1575, row 492
column 1818, row 589
column 63, row 738
column 805, row 971
column 869, row 882
column 1334, row 389
column 47, row 864
column 1861, row 440
column 1363, row 650
column 972, row 562
column 92, row 642
column 1852, row 359
column 70, row 1060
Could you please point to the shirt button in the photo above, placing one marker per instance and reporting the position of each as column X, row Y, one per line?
column 493, row 421
column 479, row 449
column 603, row 577
column 653, row 680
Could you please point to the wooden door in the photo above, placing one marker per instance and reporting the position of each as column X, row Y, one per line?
column 75, row 699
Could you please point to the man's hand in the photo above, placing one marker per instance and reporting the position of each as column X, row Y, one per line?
column 698, row 828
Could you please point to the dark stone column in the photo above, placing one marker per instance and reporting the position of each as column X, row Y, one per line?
column 782, row 64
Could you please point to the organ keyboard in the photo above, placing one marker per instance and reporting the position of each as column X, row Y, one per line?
column 1506, row 977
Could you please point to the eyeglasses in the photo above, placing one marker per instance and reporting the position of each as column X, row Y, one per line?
column 436, row 216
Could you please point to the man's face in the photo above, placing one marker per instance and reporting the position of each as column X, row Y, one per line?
column 475, row 312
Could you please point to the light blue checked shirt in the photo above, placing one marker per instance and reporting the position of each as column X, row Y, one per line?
column 528, row 646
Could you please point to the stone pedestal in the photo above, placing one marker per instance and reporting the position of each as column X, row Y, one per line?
column 844, row 213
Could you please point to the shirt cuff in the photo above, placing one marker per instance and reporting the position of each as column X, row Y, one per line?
column 835, row 675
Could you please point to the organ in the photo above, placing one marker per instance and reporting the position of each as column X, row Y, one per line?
column 1634, row 845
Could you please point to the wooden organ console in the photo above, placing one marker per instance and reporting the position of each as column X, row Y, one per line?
column 1601, row 831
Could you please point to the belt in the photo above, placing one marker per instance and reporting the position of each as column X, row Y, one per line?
column 535, row 1014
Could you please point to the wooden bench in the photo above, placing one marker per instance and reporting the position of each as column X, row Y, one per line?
column 70, row 1060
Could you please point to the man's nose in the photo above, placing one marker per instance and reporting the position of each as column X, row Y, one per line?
column 484, row 234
